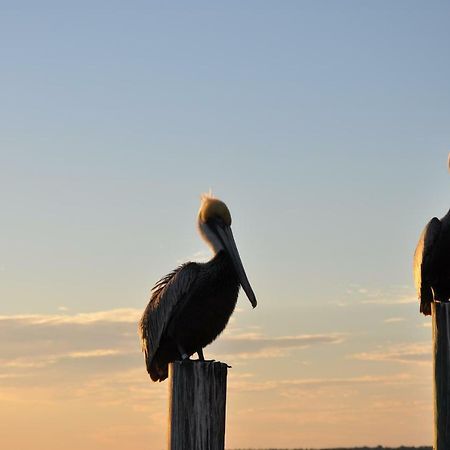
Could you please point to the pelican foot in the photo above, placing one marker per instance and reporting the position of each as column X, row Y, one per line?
column 200, row 355
column 185, row 360
column 183, row 354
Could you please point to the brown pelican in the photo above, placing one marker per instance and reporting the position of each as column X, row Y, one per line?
column 432, row 263
column 191, row 306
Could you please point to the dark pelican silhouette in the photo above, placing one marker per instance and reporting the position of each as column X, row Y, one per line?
column 191, row 306
column 432, row 263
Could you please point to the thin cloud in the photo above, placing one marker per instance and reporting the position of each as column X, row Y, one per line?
column 93, row 353
column 248, row 383
column 41, row 341
column 257, row 341
column 401, row 300
column 254, row 345
column 339, row 303
column 41, row 361
column 120, row 315
column 288, row 340
column 418, row 353
column 396, row 295
column 364, row 379
column 106, row 341
column 394, row 320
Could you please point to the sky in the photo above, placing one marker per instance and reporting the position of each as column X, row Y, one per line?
column 324, row 126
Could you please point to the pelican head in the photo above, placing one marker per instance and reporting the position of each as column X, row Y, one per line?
column 214, row 223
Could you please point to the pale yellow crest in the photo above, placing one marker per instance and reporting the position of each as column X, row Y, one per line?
column 212, row 207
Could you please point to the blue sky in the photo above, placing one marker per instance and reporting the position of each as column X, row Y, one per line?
column 323, row 125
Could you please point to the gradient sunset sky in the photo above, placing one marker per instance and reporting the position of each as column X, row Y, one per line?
column 325, row 127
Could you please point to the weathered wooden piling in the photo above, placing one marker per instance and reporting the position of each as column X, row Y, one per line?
column 197, row 399
column 441, row 363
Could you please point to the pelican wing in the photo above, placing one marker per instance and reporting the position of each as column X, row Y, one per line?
column 167, row 294
column 423, row 263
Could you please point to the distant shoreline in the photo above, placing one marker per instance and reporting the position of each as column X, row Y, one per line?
column 380, row 447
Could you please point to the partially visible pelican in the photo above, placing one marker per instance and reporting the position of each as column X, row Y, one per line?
column 191, row 306
column 432, row 263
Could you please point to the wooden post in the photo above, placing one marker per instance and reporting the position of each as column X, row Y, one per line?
column 441, row 363
column 197, row 405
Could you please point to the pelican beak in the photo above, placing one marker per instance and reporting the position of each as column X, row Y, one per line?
column 227, row 238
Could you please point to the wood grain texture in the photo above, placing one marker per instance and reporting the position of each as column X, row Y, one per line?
column 197, row 402
column 441, row 363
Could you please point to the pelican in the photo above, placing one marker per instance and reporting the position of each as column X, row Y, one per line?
column 432, row 263
column 191, row 305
